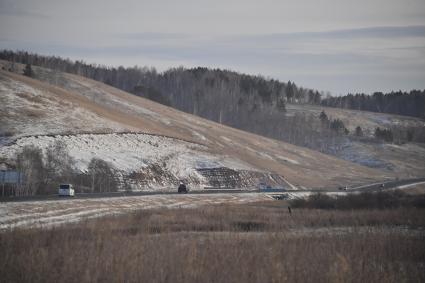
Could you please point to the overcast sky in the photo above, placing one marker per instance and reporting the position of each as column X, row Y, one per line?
column 332, row 45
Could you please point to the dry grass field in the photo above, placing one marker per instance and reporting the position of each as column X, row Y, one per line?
column 54, row 212
column 255, row 242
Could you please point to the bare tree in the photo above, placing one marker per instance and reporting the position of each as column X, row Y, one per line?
column 30, row 163
column 59, row 166
column 102, row 176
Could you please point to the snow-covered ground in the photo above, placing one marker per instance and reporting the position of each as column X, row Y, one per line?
column 21, row 103
column 406, row 160
column 131, row 152
column 358, row 152
column 56, row 212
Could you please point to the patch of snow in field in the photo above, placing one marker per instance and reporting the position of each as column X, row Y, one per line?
column 380, row 119
column 226, row 139
column 265, row 155
column 13, row 87
column 198, row 135
column 358, row 153
column 286, row 159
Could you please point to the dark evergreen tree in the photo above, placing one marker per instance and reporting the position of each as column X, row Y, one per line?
column 384, row 134
column 359, row 131
column 28, row 71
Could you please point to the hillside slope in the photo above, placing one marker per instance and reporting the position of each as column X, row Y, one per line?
column 81, row 105
column 399, row 158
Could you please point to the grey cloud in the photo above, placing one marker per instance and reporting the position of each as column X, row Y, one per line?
column 362, row 33
column 20, row 9
column 247, row 36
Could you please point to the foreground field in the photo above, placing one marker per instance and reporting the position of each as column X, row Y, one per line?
column 255, row 242
column 60, row 211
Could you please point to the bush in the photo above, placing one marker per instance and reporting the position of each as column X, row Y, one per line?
column 29, row 162
column 28, row 71
column 102, row 176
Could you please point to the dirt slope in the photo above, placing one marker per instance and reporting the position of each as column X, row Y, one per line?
column 102, row 108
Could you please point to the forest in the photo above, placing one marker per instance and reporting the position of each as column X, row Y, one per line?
column 396, row 102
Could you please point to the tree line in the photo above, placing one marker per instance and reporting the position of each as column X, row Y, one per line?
column 178, row 86
column 396, row 102
column 193, row 90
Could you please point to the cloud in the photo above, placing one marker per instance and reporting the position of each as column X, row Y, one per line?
column 19, row 9
column 287, row 40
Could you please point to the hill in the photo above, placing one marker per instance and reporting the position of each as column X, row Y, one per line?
column 268, row 107
column 399, row 157
column 71, row 108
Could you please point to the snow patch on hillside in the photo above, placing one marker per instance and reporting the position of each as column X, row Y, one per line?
column 289, row 160
column 21, row 103
column 131, row 152
column 357, row 153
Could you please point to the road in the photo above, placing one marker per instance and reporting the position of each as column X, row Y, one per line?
column 364, row 188
column 386, row 185
column 45, row 211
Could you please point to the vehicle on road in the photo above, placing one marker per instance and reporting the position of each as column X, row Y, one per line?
column 280, row 196
column 182, row 189
column 66, row 190
column 266, row 188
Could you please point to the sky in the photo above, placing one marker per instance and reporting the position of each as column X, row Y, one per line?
column 338, row 46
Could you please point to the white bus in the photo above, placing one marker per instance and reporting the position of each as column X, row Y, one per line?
column 66, row 190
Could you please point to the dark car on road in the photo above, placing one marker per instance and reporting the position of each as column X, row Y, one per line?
column 182, row 189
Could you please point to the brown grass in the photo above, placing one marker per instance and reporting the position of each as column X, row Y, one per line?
column 418, row 189
column 365, row 200
column 30, row 97
column 34, row 113
column 230, row 243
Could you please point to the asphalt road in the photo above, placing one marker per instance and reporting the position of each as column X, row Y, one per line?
column 386, row 185
column 365, row 188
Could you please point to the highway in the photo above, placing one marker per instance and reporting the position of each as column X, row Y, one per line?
column 386, row 185
column 364, row 188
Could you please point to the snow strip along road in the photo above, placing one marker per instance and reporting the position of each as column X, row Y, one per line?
column 49, row 213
